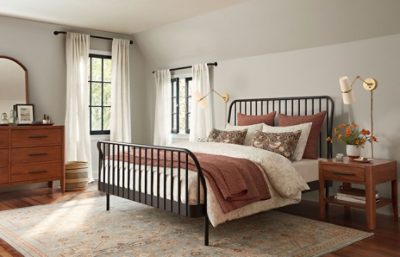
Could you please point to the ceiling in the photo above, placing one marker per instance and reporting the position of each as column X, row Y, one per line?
column 120, row 16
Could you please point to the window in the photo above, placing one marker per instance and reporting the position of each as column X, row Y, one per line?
column 100, row 93
column 181, row 104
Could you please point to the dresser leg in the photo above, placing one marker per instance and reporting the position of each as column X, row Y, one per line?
column 395, row 201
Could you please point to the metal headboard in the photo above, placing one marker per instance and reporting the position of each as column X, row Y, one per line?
column 292, row 106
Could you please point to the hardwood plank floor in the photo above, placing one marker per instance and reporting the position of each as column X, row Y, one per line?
column 385, row 242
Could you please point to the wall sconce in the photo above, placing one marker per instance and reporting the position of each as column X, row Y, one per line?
column 201, row 100
column 369, row 84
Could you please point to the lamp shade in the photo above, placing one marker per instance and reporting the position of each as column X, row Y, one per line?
column 346, row 89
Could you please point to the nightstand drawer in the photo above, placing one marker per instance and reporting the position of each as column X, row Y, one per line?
column 354, row 174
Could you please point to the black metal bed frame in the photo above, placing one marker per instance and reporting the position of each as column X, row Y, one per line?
column 114, row 156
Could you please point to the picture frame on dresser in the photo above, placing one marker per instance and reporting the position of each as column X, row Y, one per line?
column 25, row 113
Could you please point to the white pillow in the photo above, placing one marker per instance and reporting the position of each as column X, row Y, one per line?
column 301, row 144
column 251, row 131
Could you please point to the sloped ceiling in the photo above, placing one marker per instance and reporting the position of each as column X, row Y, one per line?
column 266, row 26
column 120, row 16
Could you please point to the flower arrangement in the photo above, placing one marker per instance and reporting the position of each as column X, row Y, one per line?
column 351, row 134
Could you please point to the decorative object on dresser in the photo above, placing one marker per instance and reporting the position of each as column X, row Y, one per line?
column 31, row 154
column 25, row 113
column 353, row 137
column 369, row 84
column 367, row 174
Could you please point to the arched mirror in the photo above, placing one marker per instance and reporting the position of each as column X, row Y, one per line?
column 13, row 83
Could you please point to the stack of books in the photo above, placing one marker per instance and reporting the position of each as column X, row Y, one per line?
column 353, row 195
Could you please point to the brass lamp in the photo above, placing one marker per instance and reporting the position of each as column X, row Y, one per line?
column 201, row 100
column 369, row 84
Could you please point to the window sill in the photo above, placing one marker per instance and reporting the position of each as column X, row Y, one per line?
column 179, row 137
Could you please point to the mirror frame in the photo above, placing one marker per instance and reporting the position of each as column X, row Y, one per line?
column 26, row 74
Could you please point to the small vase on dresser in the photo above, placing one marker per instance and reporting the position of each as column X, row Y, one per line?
column 353, row 151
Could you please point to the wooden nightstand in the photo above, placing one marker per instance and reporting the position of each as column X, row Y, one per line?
column 367, row 174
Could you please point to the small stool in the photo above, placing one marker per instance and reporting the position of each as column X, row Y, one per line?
column 76, row 176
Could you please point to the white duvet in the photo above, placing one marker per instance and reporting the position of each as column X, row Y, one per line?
column 285, row 183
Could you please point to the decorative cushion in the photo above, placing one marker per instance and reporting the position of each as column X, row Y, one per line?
column 229, row 137
column 305, row 129
column 251, row 131
column 245, row 120
column 312, row 143
column 281, row 143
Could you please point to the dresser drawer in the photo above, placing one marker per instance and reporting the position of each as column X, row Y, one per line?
column 3, row 175
column 36, row 137
column 35, row 172
column 3, row 138
column 339, row 174
column 3, row 157
column 36, row 154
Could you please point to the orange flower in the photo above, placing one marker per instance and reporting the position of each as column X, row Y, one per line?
column 365, row 132
column 374, row 139
column 348, row 131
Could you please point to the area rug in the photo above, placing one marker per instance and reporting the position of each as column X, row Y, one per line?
column 82, row 227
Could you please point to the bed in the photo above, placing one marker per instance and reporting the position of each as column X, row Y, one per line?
column 144, row 174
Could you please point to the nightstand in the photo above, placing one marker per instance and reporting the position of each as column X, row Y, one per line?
column 368, row 174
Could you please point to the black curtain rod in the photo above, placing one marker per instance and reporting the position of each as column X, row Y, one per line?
column 188, row 67
column 105, row 38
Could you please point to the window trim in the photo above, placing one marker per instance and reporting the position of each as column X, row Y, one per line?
column 176, row 109
column 102, row 82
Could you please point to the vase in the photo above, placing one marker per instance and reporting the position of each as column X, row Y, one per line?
column 353, row 151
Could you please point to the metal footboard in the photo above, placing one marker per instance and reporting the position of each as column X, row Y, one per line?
column 124, row 169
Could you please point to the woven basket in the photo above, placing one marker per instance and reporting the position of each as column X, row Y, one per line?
column 76, row 176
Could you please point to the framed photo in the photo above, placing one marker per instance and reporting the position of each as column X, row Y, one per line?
column 25, row 113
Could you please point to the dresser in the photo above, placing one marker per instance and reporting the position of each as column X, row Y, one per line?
column 31, row 154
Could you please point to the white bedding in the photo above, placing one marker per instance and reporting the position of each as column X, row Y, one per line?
column 284, row 181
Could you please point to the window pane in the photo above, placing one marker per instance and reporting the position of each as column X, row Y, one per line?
column 107, row 70
column 107, row 115
column 96, row 118
column 96, row 69
column 174, row 122
column 96, row 94
column 107, row 94
column 182, row 106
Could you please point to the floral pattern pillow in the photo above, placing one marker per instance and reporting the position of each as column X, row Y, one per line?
column 229, row 137
column 281, row 143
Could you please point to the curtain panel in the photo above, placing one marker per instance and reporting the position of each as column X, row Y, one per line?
column 162, row 117
column 201, row 121
column 120, row 122
column 77, row 134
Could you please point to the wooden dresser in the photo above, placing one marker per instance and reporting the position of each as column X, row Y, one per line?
column 31, row 154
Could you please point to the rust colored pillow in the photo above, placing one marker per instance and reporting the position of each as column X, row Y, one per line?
column 245, row 120
column 312, row 143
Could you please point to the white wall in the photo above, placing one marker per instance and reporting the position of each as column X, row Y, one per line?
column 312, row 66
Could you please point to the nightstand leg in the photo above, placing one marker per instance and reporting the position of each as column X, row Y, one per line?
column 347, row 209
column 322, row 200
column 394, row 201
column 370, row 207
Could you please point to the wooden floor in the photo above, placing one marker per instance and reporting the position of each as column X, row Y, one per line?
column 385, row 242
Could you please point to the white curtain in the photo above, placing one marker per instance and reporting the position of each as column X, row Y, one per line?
column 77, row 134
column 120, row 122
column 162, row 120
column 201, row 120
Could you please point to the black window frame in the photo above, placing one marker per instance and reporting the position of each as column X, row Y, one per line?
column 175, row 110
column 102, row 82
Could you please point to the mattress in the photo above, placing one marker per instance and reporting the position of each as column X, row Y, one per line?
column 307, row 168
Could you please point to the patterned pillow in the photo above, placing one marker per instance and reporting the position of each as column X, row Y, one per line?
column 281, row 143
column 229, row 137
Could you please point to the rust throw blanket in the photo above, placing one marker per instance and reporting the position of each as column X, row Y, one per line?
column 235, row 182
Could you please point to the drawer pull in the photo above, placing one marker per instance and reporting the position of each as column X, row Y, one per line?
column 37, row 171
column 344, row 174
column 38, row 136
column 38, row 154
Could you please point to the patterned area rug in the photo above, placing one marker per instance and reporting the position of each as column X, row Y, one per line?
column 83, row 228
